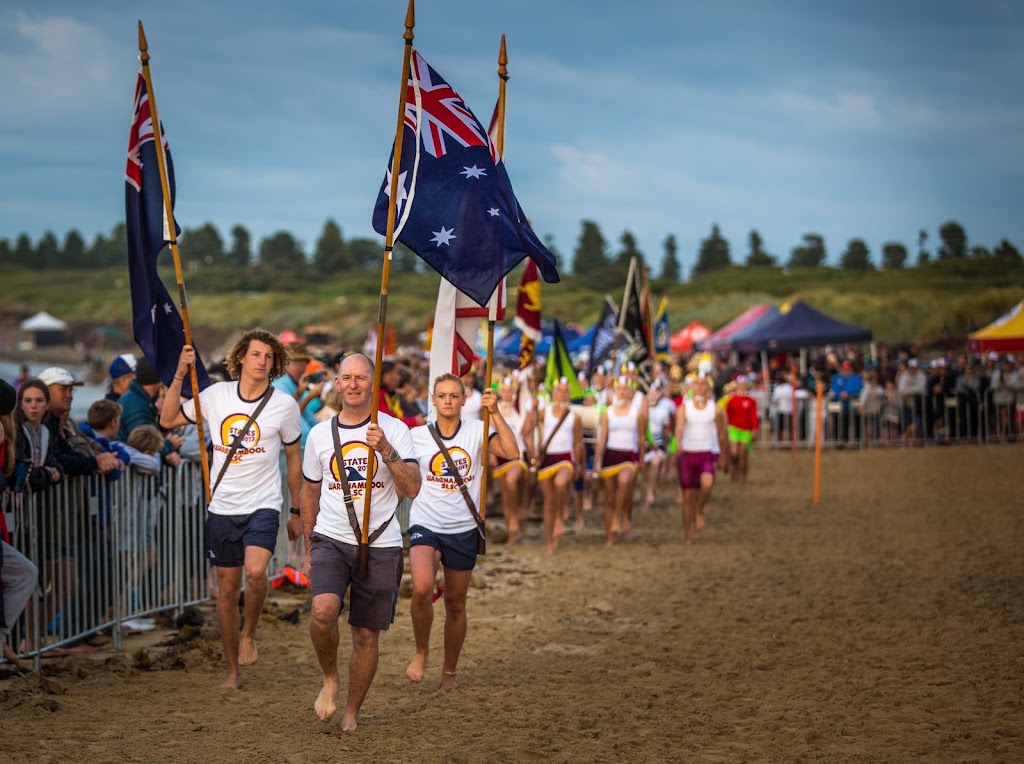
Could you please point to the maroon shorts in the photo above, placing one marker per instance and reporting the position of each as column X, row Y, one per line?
column 613, row 457
column 692, row 465
column 551, row 459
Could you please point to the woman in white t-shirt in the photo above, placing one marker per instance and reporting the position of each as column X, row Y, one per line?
column 442, row 527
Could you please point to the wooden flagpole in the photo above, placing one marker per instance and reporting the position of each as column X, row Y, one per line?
column 622, row 316
column 819, row 388
column 165, row 187
column 793, row 376
column 492, row 307
column 385, row 276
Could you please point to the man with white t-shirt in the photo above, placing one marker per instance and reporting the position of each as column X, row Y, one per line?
column 245, row 509
column 339, row 456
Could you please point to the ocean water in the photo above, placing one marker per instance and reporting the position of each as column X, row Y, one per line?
column 84, row 396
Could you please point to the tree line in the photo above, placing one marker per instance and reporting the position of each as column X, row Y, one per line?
column 279, row 261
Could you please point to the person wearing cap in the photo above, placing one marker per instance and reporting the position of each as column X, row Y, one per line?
column 303, row 382
column 845, row 388
column 940, row 387
column 244, row 514
column 138, row 408
column 121, row 373
column 74, row 452
column 911, row 385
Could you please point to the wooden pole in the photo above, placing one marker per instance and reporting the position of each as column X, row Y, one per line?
column 819, row 392
column 792, row 415
column 385, row 276
column 165, row 187
column 622, row 315
column 492, row 308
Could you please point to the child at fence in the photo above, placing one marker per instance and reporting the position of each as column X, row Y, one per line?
column 138, row 525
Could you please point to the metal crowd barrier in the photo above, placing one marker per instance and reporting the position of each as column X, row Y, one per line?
column 960, row 417
column 108, row 551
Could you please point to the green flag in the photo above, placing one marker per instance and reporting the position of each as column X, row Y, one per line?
column 559, row 366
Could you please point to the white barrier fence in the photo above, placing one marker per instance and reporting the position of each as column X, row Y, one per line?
column 962, row 417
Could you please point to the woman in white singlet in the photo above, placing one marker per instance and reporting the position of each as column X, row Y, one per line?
column 618, row 456
column 700, row 429
column 560, row 460
column 509, row 473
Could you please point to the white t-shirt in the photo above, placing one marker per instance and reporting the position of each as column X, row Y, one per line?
column 439, row 506
column 253, row 479
column 658, row 417
column 319, row 462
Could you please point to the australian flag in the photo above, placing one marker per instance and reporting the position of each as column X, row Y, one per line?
column 456, row 208
column 157, row 324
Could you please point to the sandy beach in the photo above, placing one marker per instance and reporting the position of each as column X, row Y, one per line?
column 884, row 625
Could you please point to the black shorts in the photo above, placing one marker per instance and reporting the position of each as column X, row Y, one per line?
column 227, row 536
column 458, row 550
column 372, row 602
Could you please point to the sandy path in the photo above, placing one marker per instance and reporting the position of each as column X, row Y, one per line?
column 885, row 626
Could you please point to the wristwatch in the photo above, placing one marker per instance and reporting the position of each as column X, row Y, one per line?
column 392, row 456
column 295, row 511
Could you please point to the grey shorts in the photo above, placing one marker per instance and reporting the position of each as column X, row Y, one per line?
column 372, row 602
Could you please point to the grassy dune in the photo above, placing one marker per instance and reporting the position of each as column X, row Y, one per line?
column 898, row 306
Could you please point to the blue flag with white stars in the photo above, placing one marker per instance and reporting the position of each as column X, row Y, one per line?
column 456, row 208
column 157, row 325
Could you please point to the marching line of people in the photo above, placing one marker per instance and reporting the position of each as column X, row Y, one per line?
column 282, row 438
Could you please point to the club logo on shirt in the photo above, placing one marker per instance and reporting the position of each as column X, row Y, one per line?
column 355, row 455
column 441, row 474
column 229, row 429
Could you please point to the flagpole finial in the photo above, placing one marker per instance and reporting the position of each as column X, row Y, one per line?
column 410, row 21
column 502, row 60
column 143, row 45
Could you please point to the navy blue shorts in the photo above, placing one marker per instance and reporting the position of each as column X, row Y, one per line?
column 458, row 550
column 227, row 536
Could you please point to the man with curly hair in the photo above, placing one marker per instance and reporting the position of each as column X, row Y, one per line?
column 244, row 512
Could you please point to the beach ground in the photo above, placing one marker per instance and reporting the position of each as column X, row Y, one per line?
column 883, row 625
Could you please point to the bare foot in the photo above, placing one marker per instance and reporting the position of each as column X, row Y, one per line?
column 324, row 705
column 688, row 541
column 699, row 522
column 550, row 549
column 231, row 682
column 416, row 666
column 247, row 652
column 348, row 721
column 448, row 680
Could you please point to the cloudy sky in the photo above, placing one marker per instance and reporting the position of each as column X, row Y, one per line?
column 861, row 119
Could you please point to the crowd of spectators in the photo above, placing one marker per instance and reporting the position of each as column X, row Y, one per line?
column 895, row 397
